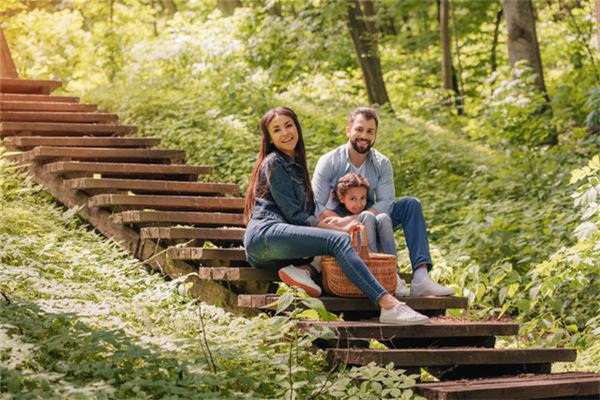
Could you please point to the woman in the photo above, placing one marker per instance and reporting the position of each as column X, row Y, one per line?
column 281, row 229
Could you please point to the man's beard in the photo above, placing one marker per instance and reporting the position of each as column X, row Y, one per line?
column 359, row 149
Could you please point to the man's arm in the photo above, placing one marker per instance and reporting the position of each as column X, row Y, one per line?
column 322, row 186
column 385, row 193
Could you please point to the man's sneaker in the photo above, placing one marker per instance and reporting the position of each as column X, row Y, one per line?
column 402, row 315
column 299, row 278
column 401, row 289
column 427, row 287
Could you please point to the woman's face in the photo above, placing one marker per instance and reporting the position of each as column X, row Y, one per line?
column 355, row 199
column 284, row 134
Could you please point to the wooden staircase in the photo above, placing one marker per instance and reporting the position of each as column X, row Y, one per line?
column 150, row 202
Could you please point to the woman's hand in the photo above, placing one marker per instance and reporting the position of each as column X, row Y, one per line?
column 340, row 224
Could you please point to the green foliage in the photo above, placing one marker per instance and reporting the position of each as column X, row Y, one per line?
column 593, row 104
column 514, row 111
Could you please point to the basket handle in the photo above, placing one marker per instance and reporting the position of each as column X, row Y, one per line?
column 363, row 252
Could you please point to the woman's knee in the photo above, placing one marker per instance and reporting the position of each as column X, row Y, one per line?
column 338, row 241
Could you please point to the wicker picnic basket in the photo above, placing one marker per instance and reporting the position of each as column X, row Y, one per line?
column 382, row 266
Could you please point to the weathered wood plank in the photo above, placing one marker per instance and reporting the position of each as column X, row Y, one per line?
column 208, row 291
column 39, row 116
column 438, row 328
column 16, row 85
column 28, row 142
column 46, row 153
column 137, row 217
column 343, row 304
column 56, row 106
column 236, row 234
column 518, row 387
column 71, row 129
column 201, row 254
column 168, row 202
column 41, row 98
column 151, row 186
column 236, row 274
column 71, row 168
column 451, row 356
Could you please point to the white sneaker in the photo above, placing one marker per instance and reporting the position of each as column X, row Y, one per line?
column 427, row 287
column 401, row 289
column 299, row 278
column 402, row 315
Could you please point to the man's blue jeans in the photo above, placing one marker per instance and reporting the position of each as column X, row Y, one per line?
column 408, row 214
column 271, row 244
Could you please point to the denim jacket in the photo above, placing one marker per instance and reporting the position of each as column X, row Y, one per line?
column 284, row 199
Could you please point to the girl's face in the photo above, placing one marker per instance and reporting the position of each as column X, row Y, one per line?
column 355, row 199
column 284, row 134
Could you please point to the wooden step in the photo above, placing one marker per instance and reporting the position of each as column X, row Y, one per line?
column 46, row 106
column 114, row 201
column 474, row 357
column 230, row 234
column 358, row 307
column 440, row 332
column 69, row 169
column 28, row 142
column 16, row 85
column 46, row 153
column 55, row 129
column 41, row 98
column 236, row 274
column 571, row 385
column 440, row 327
column 40, row 116
column 141, row 218
column 202, row 254
column 105, row 185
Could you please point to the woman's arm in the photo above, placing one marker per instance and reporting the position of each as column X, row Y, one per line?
column 282, row 190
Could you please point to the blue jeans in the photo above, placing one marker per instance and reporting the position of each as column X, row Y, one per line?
column 408, row 213
column 380, row 232
column 272, row 244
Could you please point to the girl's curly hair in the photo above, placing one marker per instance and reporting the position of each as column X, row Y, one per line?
column 347, row 182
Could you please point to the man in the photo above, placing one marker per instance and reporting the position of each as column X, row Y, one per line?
column 359, row 157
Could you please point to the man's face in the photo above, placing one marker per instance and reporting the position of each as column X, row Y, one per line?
column 362, row 134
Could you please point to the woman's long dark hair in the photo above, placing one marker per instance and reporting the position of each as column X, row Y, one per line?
column 266, row 148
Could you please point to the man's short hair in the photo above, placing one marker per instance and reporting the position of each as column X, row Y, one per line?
column 366, row 112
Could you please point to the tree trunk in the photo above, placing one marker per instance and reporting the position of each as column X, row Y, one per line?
column 228, row 7
column 365, row 46
column 493, row 62
column 598, row 22
column 170, row 7
column 446, row 49
column 522, row 38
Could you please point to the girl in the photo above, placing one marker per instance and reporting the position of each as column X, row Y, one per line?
column 282, row 228
column 351, row 193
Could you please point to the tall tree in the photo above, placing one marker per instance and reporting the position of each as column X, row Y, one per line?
column 445, row 42
column 522, row 38
column 228, row 7
column 449, row 79
column 598, row 21
column 361, row 22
